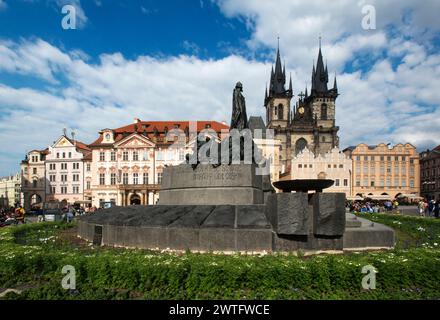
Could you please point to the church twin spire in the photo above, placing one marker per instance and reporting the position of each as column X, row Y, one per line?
column 277, row 85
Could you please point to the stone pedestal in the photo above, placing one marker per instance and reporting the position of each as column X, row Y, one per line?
column 227, row 184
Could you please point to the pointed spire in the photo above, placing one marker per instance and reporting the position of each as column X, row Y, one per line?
column 290, row 84
column 335, row 85
column 321, row 74
column 307, row 94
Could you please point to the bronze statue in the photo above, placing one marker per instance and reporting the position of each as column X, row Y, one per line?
column 239, row 117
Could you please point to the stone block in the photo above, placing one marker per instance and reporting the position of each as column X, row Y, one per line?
column 328, row 214
column 252, row 217
column 253, row 240
column 221, row 217
column 194, row 218
column 213, row 239
column 288, row 213
column 183, row 238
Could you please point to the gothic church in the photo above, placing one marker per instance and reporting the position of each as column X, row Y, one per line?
column 311, row 121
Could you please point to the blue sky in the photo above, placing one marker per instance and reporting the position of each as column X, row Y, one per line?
column 173, row 60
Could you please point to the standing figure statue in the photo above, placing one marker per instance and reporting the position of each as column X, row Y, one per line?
column 239, row 117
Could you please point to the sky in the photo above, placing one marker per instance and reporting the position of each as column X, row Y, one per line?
column 180, row 60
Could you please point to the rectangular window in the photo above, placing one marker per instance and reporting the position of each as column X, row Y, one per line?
column 75, row 189
column 159, row 155
column 345, row 182
column 337, row 183
column 411, row 183
column 372, row 183
column 113, row 179
column 341, row 166
column 145, row 156
column 125, row 178
column 135, row 178
column 388, row 182
column 102, row 179
column 58, row 155
column 145, row 178
column 102, row 156
column 113, row 156
column 181, row 155
column 88, row 185
column 53, row 190
column 70, row 154
column 365, row 183
column 34, row 171
column 125, row 156
column 300, row 166
column 159, row 177
column 88, row 167
column 135, row 156
column 396, row 182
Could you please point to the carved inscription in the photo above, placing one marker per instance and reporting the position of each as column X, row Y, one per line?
column 228, row 173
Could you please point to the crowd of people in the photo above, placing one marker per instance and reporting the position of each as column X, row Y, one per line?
column 12, row 215
column 429, row 208
column 426, row 208
column 16, row 215
column 372, row 206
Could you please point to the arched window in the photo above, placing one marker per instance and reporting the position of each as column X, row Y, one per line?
column 300, row 145
column 280, row 111
column 324, row 111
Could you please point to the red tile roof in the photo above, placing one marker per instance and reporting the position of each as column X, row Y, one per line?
column 150, row 127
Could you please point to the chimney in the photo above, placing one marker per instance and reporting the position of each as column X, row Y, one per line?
column 136, row 120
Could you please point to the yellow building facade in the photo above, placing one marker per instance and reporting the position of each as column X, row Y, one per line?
column 383, row 170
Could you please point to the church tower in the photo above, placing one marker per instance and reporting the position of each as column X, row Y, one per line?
column 277, row 103
column 313, row 124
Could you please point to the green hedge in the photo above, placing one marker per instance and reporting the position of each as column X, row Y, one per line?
column 32, row 257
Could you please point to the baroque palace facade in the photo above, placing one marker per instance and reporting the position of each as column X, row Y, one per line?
column 127, row 163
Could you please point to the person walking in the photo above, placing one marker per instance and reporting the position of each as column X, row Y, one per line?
column 421, row 208
column 430, row 207
column 437, row 208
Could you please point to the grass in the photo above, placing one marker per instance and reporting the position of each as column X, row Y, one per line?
column 32, row 256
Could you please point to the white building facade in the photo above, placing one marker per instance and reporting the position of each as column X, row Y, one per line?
column 10, row 191
column 64, row 168
column 334, row 165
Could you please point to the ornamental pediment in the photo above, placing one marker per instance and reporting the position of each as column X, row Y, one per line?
column 135, row 141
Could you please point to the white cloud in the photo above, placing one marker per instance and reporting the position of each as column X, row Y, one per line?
column 395, row 100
